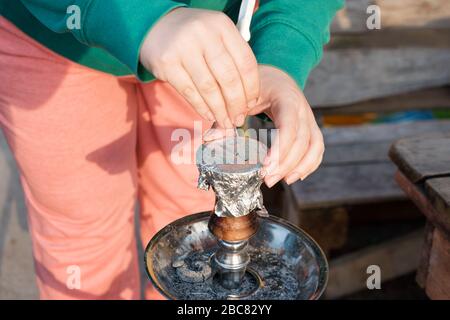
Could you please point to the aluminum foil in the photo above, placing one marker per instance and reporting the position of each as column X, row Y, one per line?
column 232, row 168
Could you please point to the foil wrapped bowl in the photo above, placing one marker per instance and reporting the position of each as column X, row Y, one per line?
column 286, row 263
column 231, row 166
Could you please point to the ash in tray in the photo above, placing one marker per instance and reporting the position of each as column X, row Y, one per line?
column 231, row 166
column 194, row 282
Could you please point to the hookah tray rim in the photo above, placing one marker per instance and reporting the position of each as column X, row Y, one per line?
column 324, row 270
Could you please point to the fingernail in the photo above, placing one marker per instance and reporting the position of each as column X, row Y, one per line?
column 239, row 121
column 210, row 116
column 271, row 180
column 294, row 176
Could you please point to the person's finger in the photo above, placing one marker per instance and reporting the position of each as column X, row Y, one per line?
column 286, row 120
column 224, row 70
column 183, row 83
column 312, row 159
column 206, row 84
column 286, row 165
column 246, row 63
column 294, row 154
column 215, row 132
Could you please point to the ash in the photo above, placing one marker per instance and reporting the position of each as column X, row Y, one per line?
column 279, row 281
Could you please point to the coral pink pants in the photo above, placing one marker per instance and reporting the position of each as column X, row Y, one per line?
column 87, row 145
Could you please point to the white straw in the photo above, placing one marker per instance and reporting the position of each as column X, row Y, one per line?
column 245, row 18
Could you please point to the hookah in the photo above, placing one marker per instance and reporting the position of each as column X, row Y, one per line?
column 237, row 251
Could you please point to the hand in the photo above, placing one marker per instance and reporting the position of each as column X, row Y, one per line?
column 298, row 149
column 203, row 56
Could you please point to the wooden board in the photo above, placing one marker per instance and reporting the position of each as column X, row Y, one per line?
column 350, row 184
column 437, row 283
column 423, row 156
column 391, row 39
column 356, row 153
column 408, row 53
column 438, row 192
column 371, row 143
column 396, row 257
column 394, row 14
column 352, row 75
column 431, row 98
column 382, row 132
column 327, row 227
column 416, row 194
column 424, row 263
column 356, row 168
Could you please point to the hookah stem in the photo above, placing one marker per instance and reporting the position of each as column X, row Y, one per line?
column 232, row 258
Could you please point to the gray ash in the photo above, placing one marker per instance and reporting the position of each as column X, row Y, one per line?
column 279, row 280
column 193, row 268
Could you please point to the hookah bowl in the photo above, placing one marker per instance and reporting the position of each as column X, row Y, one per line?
column 237, row 251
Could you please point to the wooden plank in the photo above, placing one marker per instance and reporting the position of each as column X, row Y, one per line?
column 422, row 270
column 327, row 226
column 394, row 14
column 437, row 284
column 356, row 168
column 371, row 133
column 423, row 156
column 430, row 98
column 354, row 153
column 350, row 184
column 352, row 75
column 396, row 257
column 438, row 192
column 391, row 38
column 417, row 196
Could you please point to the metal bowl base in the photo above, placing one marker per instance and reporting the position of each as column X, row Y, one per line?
column 285, row 263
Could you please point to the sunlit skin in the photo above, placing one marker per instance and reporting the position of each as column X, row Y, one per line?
column 203, row 56
column 299, row 148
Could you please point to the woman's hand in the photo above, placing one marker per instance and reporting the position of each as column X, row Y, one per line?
column 203, row 56
column 298, row 148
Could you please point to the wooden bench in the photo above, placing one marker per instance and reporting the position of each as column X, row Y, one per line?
column 411, row 52
column 424, row 175
column 356, row 170
column 401, row 67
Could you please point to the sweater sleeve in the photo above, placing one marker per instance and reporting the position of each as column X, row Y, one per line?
column 117, row 26
column 290, row 34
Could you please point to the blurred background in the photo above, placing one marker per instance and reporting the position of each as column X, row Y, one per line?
column 373, row 87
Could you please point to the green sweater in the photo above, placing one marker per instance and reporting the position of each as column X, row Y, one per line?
column 288, row 34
